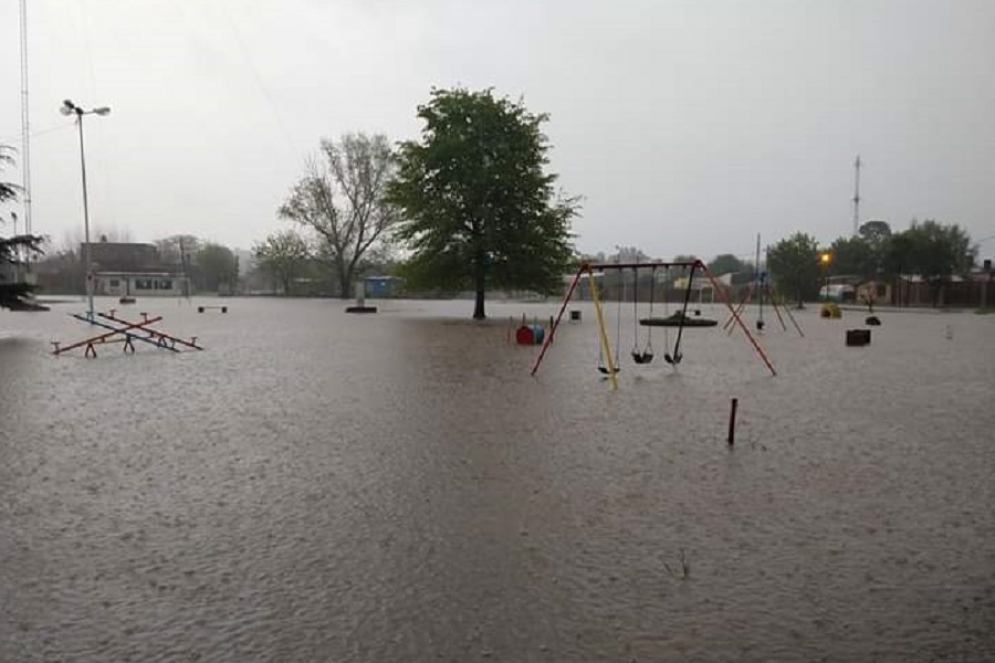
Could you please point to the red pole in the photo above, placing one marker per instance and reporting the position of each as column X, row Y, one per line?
column 101, row 337
column 552, row 329
column 739, row 321
column 153, row 332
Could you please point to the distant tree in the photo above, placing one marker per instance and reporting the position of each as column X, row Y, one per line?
column 936, row 252
column 794, row 266
column 629, row 254
column 13, row 291
column 480, row 210
column 60, row 271
column 12, row 249
column 343, row 201
column 940, row 251
column 674, row 273
column 727, row 263
column 876, row 234
column 897, row 258
column 8, row 190
column 215, row 268
column 178, row 250
column 854, row 256
column 284, row 255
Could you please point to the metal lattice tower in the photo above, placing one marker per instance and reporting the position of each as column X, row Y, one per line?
column 25, row 121
column 856, row 197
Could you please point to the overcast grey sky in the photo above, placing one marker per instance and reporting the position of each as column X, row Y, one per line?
column 687, row 126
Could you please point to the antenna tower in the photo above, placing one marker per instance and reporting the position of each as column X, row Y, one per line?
column 25, row 121
column 856, row 197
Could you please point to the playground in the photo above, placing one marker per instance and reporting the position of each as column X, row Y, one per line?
column 404, row 473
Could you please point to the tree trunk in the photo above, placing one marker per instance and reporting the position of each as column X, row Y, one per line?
column 479, row 283
column 478, row 307
column 345, row 280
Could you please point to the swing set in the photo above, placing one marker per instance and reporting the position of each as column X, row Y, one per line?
column 642, row 353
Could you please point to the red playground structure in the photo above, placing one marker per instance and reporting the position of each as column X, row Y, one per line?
column 125, row 332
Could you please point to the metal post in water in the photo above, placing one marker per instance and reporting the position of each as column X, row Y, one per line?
column 732, row 422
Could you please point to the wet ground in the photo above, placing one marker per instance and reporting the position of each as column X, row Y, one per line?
column 317, row 486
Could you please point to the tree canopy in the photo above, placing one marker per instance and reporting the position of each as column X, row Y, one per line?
column 215, row 268
column 478, row 208
column 928, row 249
column 727, row 263
column 284, row 256
column 794, row 266
column 854, row 256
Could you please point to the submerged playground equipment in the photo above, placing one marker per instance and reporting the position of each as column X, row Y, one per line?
column 126, row 332
column 642, row 354
column 760, row 288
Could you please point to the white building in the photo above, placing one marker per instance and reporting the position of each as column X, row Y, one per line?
column 138, row 284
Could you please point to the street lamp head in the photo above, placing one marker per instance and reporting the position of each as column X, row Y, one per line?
column 103, row 110
column 68, row 107
column 826, row 258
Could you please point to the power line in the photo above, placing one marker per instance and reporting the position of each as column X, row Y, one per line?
column 257, row 78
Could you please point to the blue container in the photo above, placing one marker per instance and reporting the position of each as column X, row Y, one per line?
column 538, row 333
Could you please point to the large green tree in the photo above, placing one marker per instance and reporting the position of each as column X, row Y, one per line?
column 936, row 252
column 794, row 266
column 342, row 199
column 478, row 208
column 876, row 234
column 854, row 256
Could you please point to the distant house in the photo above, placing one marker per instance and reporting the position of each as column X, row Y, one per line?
column 136, row 284
column 133, row 269
column 976, row 289
column 874, row 291
column 838, row 292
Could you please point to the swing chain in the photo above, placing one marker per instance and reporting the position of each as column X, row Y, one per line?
column 644, row 356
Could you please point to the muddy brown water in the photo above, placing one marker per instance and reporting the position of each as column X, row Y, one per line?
column 317, row 486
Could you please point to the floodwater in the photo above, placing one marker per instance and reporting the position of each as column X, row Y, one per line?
column 316, row 486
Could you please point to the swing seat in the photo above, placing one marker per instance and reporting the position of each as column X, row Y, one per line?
column 604, row 369
column 642, row 357
column 677, row 320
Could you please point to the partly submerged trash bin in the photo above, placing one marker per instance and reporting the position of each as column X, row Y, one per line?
column 856, row 338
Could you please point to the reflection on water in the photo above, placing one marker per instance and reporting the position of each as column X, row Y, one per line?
column 322, row 487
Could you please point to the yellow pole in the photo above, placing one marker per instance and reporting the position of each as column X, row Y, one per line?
column 602, row 332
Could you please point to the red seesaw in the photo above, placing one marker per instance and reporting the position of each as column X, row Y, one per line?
column 131, row 331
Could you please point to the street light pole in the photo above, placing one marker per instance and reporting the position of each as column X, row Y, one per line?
column 69, row 108
column 826, row 259
column 86, row 220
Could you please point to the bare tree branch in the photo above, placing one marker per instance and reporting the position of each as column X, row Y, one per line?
column 343, row 200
